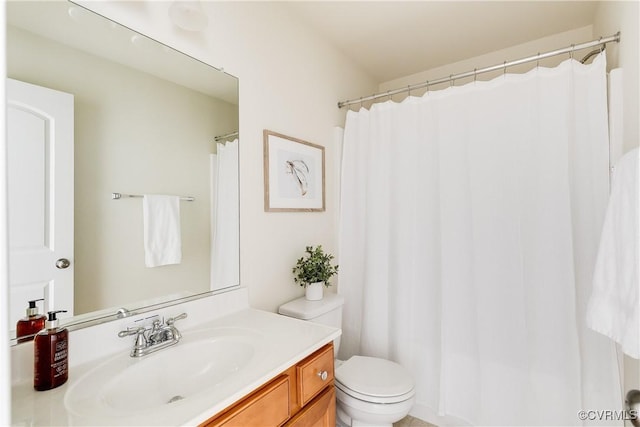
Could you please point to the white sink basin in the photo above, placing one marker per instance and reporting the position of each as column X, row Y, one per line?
column 123, row 386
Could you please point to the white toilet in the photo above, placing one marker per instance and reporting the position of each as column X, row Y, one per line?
column 370, row 391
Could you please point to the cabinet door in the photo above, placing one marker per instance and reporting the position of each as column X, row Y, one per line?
column 321, row 412
column 269, row 406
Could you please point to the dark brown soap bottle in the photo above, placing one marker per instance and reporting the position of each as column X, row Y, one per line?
column 51, row 355
column 28, row 326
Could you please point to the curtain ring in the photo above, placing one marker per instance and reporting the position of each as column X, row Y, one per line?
column 409, row 89
column 451, row 80
column 389, row 95
column 475, row 74
column 538, row 61
column 571, row 53
column 361, row 105
column 504, row 70
column 427, row 86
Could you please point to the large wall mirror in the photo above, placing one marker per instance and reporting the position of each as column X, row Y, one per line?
column 95, row 109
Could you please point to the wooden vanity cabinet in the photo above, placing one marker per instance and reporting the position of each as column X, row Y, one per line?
column 302, row 396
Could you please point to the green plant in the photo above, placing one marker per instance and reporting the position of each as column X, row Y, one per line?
column 314, row 267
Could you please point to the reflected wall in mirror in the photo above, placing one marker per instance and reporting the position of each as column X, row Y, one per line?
column 143, row 120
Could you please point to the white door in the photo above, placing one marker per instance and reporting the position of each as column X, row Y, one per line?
column 40, row 168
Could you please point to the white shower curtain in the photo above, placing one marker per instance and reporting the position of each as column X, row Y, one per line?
column 225, row 217
column 469, row 224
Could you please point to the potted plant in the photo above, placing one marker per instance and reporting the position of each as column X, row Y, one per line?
column 313, row 272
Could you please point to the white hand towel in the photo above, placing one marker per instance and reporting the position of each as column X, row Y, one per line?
column 162, row 240
column 614, row 307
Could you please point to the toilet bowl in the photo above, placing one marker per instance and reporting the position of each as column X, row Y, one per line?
column 370, row 391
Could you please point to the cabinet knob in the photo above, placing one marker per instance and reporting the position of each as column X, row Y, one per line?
column 323, row 375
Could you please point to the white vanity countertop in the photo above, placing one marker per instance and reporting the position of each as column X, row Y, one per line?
column 283, row 342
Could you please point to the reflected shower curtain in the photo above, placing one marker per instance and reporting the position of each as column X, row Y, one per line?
column 469, row 223
column 225, row 217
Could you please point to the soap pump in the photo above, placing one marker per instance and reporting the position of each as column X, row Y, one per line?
column 51, row 355
column 28, row 326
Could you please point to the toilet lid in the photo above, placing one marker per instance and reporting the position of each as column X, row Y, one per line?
column 374, row 377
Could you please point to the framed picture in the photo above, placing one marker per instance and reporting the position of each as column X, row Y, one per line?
column 293, row 174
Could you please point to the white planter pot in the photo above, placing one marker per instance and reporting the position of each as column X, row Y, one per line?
column 314, row 291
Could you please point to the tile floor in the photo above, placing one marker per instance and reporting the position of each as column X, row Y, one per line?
column 410, row 421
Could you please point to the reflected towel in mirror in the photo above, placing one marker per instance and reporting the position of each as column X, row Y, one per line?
column 162, row 239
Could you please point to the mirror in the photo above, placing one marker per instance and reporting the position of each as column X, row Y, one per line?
column 143, row 121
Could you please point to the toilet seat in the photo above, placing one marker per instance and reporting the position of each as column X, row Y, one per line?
column 374, row 380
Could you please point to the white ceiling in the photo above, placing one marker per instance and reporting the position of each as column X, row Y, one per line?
column 392, row 39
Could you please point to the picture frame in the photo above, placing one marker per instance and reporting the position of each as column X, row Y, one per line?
column 294, row 174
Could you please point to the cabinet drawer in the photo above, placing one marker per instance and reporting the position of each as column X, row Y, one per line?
column 267, row 407
column 315, row 373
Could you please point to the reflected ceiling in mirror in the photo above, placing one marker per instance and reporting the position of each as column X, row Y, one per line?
column 145, row 117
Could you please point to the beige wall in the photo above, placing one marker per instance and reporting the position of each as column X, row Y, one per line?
column 127, row 140
column 290, row 82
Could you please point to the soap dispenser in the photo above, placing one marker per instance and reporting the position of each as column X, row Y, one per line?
column 51, row 355
column 28, row 326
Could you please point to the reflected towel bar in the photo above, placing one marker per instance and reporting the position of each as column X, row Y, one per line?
column 227, row 136
column 116, row 196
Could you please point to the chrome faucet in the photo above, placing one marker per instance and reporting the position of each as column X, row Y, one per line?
column 155, row 338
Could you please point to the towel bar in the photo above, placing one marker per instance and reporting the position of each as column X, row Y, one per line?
column 116, row 196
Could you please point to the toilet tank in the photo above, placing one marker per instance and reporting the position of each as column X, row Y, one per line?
column 327, row 311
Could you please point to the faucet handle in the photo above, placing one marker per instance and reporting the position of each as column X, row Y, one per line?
column 131, row 331
column 170, row 321
column 141, row 340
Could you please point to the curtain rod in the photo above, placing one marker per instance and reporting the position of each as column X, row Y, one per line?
column 570, row 49
column 221, row 137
